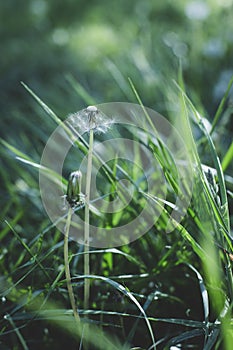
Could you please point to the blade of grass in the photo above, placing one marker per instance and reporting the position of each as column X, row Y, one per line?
column 184, row 337
column 221, row 214
column 165, row 159
column 221, row 105
column 59, row 313
column 17, row 331
column 205, row 299
column 43, row 105
column 13, row 222
column 227, row 158
column 115, row 251
column 128, row 294
column 79, row 89
column 119, row 78
column 196, row 247
column 28, row 249
column 50, row 113
column 16, row 151
column 100, row 340
column 216, row 161
column 22, row 157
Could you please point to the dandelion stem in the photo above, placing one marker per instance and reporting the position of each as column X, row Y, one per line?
column 67, row 268
column 87, row 221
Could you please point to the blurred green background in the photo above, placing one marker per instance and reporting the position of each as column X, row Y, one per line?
column 73, row 53
column 99, row 44
column 102, row 43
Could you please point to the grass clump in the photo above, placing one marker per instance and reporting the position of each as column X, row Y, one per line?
column 166, row 288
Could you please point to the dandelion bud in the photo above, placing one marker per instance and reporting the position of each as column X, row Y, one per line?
column 73, row 195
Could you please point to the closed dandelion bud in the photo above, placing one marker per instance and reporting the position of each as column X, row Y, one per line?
column 73, row 195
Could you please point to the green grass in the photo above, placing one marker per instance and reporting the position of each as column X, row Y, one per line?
column 166, row 288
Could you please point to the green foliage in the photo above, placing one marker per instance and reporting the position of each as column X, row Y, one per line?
column 173, row 287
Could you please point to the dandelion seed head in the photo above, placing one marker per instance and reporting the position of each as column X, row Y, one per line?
column 90, row 118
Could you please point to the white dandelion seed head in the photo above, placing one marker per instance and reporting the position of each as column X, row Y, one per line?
column 90, row 118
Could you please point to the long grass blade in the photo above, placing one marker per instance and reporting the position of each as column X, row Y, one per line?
column 227, row 158
column 128, row 294
column 221, row 106
column 225, row 211
column 28, row 249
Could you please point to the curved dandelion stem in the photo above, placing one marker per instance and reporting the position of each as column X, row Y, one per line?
column 67, row 268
